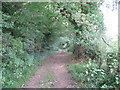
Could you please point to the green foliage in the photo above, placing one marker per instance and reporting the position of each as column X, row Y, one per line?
column 89, row 31
column 33, row 30
column 14, row 62
column 86, row 21
column 27, row 30
column 90, row 76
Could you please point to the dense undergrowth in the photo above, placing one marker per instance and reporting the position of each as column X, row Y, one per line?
column 89, row 75
column 19, row 65
column 98, row 72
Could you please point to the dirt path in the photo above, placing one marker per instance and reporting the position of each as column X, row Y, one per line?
column 52, row 73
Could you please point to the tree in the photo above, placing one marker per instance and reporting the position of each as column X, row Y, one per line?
column 87, row 21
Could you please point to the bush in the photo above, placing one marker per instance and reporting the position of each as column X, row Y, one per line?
column 91, row 76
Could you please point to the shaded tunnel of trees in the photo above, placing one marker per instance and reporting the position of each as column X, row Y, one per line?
column 31, row 31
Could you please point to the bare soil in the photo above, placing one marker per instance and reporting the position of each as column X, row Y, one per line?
column 52, row 74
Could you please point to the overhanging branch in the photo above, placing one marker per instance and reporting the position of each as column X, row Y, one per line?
column 105, row 42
